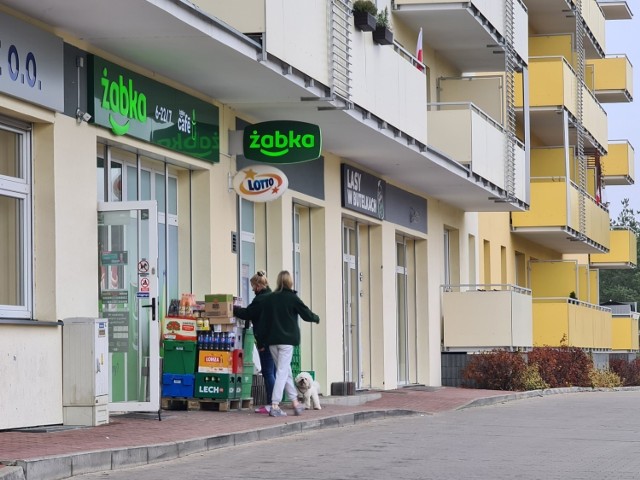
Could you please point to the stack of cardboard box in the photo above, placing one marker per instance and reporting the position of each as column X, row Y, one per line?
column 220, row 352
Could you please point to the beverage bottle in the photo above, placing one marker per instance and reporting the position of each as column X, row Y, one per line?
column 216, row 341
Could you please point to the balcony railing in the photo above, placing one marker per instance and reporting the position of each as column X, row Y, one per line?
column 572, row 322
column 623, row 253
column 467, row 135
column 624, row 333
column 612, row 78
column 594, row 18
column 618, row 164
column 486, row 316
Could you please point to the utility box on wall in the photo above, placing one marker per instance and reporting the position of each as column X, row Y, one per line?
column 85, row 371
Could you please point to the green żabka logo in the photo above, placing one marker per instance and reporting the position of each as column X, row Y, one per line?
column 121, row 97
column 281, row 141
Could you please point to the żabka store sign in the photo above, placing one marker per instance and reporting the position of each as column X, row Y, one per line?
column 260, row 183
column 282, row 142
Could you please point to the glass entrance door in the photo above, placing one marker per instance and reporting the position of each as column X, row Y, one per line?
column 128, row 288
column 351, row 303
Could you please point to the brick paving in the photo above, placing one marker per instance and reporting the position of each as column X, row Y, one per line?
column 136, row 430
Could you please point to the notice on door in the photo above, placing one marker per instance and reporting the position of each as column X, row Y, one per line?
column 143, row 287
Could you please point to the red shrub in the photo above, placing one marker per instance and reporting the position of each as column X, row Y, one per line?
column 495, row 370
column 629, row 372
column 562, row 366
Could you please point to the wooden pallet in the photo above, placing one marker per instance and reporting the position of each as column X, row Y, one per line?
column 212, row 404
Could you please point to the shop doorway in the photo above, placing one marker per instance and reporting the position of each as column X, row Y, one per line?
column 351, row 276
column 128, row 298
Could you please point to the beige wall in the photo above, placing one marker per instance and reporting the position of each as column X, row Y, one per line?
column 30, row 368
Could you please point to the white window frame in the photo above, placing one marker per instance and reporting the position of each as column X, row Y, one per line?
column 21, row 189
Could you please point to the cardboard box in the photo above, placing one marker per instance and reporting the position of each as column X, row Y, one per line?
column 215, row 320
column 218, row 309
column 214, row 361
column 179, row 328
column 218, row 298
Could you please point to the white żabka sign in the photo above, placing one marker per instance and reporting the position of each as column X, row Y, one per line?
column 260, row 183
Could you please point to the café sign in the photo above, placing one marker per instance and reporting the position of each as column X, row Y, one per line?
column 130, row 104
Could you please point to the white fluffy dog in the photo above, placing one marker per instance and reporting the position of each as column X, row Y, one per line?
column 308, row 390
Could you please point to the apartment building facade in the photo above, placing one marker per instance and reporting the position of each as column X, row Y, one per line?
column 121, row 125
column 549, row 256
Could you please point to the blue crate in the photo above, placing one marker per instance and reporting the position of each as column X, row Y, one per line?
column 174, row 385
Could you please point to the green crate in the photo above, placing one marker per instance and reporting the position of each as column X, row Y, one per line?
column 222, row 386
column 246, row 381
column 179, row 357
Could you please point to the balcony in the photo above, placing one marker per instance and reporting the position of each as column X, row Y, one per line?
column 615, row 10
column 553, row 219
column 467, row 135
column 612, row 79
column 618, row 164
column 623, row 251
column 553, row 88
column 564, row 21
column 467, row 34
column 571, row 322
column 486, row 316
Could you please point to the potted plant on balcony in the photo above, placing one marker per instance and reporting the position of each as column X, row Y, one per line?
column 383, row 35
column 364, row 15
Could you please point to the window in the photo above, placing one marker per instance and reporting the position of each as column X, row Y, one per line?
column 15, row 222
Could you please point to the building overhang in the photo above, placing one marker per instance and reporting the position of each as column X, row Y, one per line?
column 560, row 239
column 230, row 67
column 615, row 10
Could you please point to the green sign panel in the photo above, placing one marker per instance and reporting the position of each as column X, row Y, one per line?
column 130, row 104
column 282, row 142
column 114, row 258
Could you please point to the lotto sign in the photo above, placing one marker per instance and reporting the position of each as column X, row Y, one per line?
column 260, row 183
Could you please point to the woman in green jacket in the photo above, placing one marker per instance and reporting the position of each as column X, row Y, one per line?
column 279, row 318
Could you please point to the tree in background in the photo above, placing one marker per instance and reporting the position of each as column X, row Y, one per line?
column 622, row 285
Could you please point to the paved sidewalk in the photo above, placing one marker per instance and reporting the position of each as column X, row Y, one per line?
column 137, row 439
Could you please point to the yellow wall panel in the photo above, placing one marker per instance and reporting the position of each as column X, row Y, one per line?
column 553, row 279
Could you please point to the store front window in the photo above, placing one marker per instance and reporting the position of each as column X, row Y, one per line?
column 134, row 177
column 15, row 222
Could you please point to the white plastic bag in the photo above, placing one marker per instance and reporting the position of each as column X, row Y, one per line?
column 257, row 366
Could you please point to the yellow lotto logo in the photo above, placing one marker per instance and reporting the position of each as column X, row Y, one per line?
column 260, row 183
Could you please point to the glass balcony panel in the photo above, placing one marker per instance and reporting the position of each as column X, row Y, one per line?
column 486, row 316
column 623, row 253
column 574, row 323
column 618, row 164
column 612, row 78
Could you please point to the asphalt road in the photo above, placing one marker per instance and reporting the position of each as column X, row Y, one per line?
column 588, row 435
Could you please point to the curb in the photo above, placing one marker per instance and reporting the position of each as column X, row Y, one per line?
column 482, row 402
column 65, row 466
